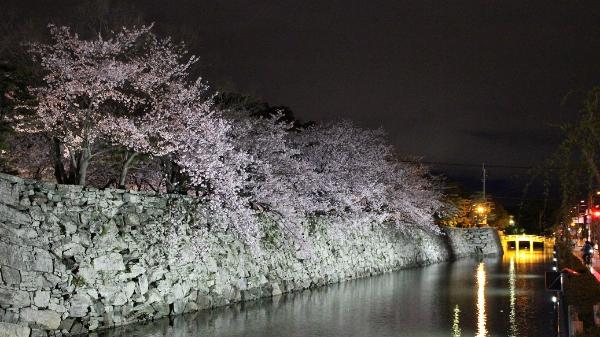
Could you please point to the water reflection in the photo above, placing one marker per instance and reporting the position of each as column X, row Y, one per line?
column 526, row 257
column 456, row 322
column 481, row 319
column 512, row 317
column 491, row 297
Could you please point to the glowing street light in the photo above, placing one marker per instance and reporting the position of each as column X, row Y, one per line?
column 481, row 209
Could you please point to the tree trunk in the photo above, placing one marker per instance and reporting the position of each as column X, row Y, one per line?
column 125, row 169
column 59, row 168
column 83, row 163
column 172, row 179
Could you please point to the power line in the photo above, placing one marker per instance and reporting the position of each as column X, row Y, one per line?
column 441, row 163
column 525, row 198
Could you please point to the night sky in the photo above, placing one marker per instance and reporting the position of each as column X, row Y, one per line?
column 455, row 82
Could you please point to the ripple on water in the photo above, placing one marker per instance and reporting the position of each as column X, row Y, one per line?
column 492, row 297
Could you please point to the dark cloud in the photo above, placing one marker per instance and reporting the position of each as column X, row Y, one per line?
column 457, row 81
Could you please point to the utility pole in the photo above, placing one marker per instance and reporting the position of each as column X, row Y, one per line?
column 483, row 180
column 590, row 215
column 483, row 208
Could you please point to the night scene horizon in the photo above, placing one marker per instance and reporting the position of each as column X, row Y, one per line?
column 320, row 168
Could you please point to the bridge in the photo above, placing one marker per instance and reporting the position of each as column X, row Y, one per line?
column 524, row 241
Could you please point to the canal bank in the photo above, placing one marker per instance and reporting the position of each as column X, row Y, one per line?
column 491, row 297
column 581, row 286
column 75, row 259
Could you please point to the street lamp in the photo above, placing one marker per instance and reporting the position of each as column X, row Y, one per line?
column 481, row 209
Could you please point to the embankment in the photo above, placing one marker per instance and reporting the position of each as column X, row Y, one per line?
column 75, row 259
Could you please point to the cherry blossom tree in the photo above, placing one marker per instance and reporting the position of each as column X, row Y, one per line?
column 336, row 171
column 131, row 96
column 356, row 174
column 105, row 93
column 276, row 177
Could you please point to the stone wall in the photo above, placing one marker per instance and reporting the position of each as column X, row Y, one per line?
column 465, row 241
column 75, row 260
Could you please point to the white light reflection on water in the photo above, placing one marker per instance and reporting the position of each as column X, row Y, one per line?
column 512, row 278
column 456, row 322
column 460, row 299
column 481, row 315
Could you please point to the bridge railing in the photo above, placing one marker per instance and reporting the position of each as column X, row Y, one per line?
column 525, row 237
column 520, row 238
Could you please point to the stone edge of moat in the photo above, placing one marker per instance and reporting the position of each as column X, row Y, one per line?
column 75, row 260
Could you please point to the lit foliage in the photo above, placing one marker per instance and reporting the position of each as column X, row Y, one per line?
column 355, row 173
column 127, row 91
column 471, row 212
column 334, row 170
column 131, row 96
column 459, row 212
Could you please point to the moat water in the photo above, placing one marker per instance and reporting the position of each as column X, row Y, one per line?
column 502, row 296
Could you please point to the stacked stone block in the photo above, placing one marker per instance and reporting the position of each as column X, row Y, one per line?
column 75, row 260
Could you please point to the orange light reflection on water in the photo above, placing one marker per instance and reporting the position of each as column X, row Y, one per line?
column 523, row 257
column 513, row 259
column 481, row 315
column 512, row 280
